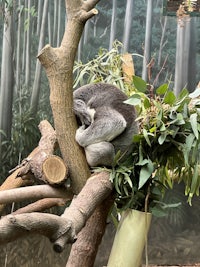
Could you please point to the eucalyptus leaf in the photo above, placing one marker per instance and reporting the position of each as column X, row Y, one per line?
column 145, row 133
column 139, row 84
column 169, row 98
column 195, row 181
column 187, row 147
column 147, row 103
column 128, row 179
column 134, row 100
column 183, row 94
column 142, row 162
column 158, row 211
column 194, row 124
column 162, row 138
column 145, row 173
column 162, row 89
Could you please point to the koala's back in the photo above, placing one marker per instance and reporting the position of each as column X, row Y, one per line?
column 92, row 93
column 102, row 94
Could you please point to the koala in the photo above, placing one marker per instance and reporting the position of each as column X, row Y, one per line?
column 106, row 123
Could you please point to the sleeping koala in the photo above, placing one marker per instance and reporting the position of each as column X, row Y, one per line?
column 107, row 125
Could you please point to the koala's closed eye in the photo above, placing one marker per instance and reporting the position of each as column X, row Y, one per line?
column 107, row 123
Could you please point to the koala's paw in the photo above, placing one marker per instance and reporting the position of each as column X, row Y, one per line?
column 79, row 137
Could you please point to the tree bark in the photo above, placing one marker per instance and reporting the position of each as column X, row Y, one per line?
column 33, row 192
column 58, row 63
column 64, row 229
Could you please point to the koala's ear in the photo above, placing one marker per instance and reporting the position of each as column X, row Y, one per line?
column 79, row 106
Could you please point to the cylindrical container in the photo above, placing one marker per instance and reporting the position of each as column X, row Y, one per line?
column 130, row 239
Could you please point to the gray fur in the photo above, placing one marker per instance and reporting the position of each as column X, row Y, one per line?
column 107, row 125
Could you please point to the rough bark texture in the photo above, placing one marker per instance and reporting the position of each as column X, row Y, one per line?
column 34, row 162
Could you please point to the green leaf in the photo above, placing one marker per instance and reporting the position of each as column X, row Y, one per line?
column 142, row 162
column 180, row 120
column 194, row 180
column 147, row 103
column 128, row 179
column 194, row 124
column 183, row 94
column 162, row 138
column 162, row 127
column 139, row 84
column 162, row 89
column 117, row 184
column 145, row 133
column 134, row 100
column 145, row 172
column 169, row 98
column 157, row 211
column 187, row 147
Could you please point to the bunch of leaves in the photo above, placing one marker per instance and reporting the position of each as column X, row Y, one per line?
column 166, row 149
column 105, row 67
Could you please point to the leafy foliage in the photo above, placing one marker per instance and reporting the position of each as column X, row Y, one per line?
column 105, row 67
column 166, row 150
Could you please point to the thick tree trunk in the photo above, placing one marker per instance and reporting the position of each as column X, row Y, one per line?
column 58, row 63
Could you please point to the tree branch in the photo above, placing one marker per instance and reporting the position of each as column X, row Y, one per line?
column 41, row 205
column 64, row 229
column 33, row 192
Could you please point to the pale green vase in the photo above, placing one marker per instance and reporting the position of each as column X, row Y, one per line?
column 130, row 239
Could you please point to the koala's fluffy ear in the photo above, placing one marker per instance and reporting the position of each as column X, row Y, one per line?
column 81, row 111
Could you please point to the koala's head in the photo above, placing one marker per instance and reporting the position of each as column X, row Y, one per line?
column 82, row 112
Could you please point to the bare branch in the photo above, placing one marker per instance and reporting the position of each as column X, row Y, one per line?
column 49, row 225
column 33, row 192
column 60, row 230
column 41, row 205
column 90, row 4
column 87, row 15
column 97, row 188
